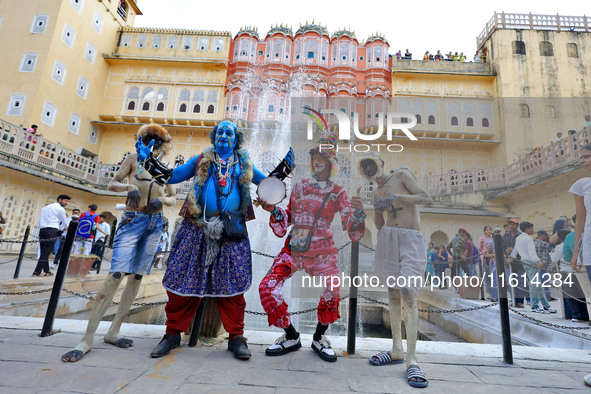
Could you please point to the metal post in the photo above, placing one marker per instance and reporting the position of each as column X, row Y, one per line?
column 503, row 304
column 197, row 320
column 353, row 298
column 22, row 252
column 59, row 280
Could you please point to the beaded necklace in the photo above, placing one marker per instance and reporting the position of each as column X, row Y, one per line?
column 222, row 179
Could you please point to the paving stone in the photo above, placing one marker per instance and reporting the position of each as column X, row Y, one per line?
column 224, row 389
column 314, row 381
column 524, row 377
column 553, row 365
column 62, row 378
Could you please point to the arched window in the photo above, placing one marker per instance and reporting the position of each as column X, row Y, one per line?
column 485, row 122
column 210, row 109
column 131, row 106
column 271, row 108
column 197, row 109
column 418, row 118
column 198, row 96
column 572, row 50
column 469, row 122
column 454, row 121
column 160, row 107
column 546, row 48
column 147, row 97
column 212, row 96
column 185, row 95
column 518, row 48
column 431, row 119
column 183, row 107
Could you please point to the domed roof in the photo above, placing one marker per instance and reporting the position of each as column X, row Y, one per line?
column 312, row 27
column 344, row 33
column 250, row 30
column 285, row 30
column 376, row 37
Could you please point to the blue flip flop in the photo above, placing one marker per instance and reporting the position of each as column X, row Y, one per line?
column 414, row 372
column 383, row 358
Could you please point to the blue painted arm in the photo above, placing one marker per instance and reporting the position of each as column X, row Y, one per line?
column 258, row 176
column 184, row 172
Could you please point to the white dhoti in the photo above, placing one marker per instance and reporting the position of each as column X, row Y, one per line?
column 400, row 258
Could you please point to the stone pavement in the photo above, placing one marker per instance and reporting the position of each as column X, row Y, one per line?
column 30, row 364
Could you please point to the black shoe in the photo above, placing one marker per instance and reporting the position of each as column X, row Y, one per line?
column 168, row 342
column 239, row 347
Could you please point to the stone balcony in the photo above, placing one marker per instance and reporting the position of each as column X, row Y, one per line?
column 38, row 156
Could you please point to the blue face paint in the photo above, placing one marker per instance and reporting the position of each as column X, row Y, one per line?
column 225, row 138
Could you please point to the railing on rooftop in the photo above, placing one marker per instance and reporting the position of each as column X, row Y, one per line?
column 63, row 162
column 533, row 22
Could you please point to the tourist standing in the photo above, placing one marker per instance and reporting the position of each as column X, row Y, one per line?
column 53, row 217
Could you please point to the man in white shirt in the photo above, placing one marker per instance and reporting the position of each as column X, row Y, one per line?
column 525, row 247
column 50, row 222
column 103, row 230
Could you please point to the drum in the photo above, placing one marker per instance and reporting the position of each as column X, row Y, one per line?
column 272, row 190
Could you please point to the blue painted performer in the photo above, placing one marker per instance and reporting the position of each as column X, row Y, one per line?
column 210, row 255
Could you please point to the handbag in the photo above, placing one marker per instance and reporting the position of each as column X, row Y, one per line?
column 301, row 236
column 234, row 224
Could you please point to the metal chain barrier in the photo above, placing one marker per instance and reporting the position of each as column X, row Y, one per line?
column 292, row 313
column 546, row 323
column 26, row 292
column 34, row 241
column 436, row 310
column 91, row 298
column 9, row 261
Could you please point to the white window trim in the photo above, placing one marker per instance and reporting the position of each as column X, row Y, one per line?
column 77, row 125
column 23, row 59
column 86, row 54
column 98, row 27
column 13, row 98
column 85, row 90
column 49, row 122
column 32, row 31
column 73, row 38
column 65, row 70
column 79, row 7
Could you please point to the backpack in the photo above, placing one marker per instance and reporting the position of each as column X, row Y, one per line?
column 86, row 225
column 476, row 255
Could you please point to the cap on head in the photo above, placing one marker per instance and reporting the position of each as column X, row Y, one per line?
column 327, row 149
column 513, row 220
column 462, row 230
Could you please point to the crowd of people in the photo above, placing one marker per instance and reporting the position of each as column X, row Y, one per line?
column 92, row 235
column 533, row 263
column 479, row 57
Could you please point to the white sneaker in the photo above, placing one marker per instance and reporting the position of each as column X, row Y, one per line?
column 550, row 309
column 54, row 267
column 324, row 349
column 283, row 346
column 539, row 310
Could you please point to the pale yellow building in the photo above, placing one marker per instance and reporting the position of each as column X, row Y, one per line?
column 89, row 80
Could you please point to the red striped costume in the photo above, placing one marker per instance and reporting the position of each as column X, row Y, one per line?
column 321, row 258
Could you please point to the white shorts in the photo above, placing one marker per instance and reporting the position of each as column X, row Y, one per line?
column 400, row 252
